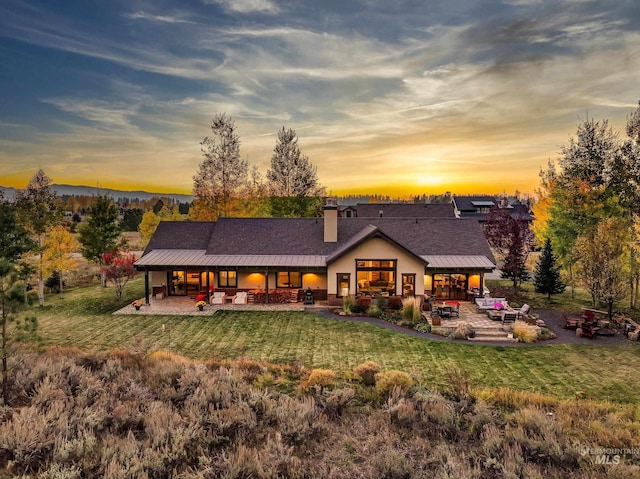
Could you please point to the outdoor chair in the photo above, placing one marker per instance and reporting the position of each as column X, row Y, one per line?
column 509, row 316
column 240, row 298
column 218, row 297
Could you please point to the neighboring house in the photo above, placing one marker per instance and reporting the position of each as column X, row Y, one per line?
column 334, row 257
column 398, row 210
column 479, row 207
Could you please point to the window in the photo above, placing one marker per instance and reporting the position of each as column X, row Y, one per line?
column 376, row 276
column 227, row 279
column 289, row 279
column 344, row 282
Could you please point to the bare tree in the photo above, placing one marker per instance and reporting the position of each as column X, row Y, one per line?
column 222, row 173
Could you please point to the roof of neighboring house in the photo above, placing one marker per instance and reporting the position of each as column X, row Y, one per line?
column 471, row 203
column 244, row 239
column 468, row 207
column 405, row 210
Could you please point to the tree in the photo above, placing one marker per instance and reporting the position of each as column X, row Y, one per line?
column 14, row 238
column 131, row 219
column 547, row 279
column 100, row 232
column 148, row 225
column 119, row 269
column 222, row 173
column 38, row 212
column 292, row 179
column 603, row 261
column 59, row 246
column 511, row 239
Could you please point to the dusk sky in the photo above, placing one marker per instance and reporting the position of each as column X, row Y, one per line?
column 395, row 97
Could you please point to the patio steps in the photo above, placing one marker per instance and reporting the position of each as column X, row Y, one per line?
column 492, row 335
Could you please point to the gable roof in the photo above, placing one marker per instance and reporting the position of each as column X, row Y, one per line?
column 368, row 232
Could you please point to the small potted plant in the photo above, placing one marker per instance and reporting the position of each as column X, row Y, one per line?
column 201, row 305
column 136, row 304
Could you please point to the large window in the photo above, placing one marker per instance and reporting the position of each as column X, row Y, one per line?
column 227, row 279
column 376, row 276
column 289, row 279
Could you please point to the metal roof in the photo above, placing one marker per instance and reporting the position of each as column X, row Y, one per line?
column 199, row 258
column 458, row 261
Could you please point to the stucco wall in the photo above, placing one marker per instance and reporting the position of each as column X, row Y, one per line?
column 376, row 249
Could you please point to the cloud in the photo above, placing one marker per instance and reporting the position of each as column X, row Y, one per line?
column 246, row 6
column 155, row 18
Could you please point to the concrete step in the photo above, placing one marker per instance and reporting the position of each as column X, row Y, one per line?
column 492, row 335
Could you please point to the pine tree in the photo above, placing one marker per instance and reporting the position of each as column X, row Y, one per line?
column 547, row 276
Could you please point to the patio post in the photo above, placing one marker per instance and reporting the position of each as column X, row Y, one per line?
column 266, row 286
column 208, row 287
column 146, row 286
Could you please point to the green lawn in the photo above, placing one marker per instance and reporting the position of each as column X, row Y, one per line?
column 82, row 318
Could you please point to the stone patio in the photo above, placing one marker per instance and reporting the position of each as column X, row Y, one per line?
column 485, row 328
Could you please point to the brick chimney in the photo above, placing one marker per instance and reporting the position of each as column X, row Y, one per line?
column 330, row 222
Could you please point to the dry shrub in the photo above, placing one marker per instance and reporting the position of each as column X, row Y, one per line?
column 299, row 420
column 459, row 385
column 367, row 372
column 165, row 356
column 463, row 331
column 335, row 402
column 389, row 380
column 510, row 400
column 525, row 332
column 321, row 378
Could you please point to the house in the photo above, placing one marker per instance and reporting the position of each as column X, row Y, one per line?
column 479, row 207
column 334, row 257
column 399, row 210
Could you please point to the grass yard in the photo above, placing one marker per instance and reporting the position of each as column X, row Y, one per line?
column 82, row 319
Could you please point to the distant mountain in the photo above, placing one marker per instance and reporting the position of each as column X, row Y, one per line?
column 71, row 190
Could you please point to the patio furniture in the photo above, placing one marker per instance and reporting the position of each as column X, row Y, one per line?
column 240, row 298
column 445, row 311
column 509, row 316
column 571, row 322
column 487, row 304
column 455, row 308
column 218, row 297
column 587, row 329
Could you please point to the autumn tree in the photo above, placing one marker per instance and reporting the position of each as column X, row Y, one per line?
column 59, row 246
column 511, row 239
column 547, row 279
column 118, row 266
column 603, row 262
column 100, row 232
column 292, row 179
column 37, row 209
column 222, row 173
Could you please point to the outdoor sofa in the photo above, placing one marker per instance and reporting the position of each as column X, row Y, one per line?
column 489, row 304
